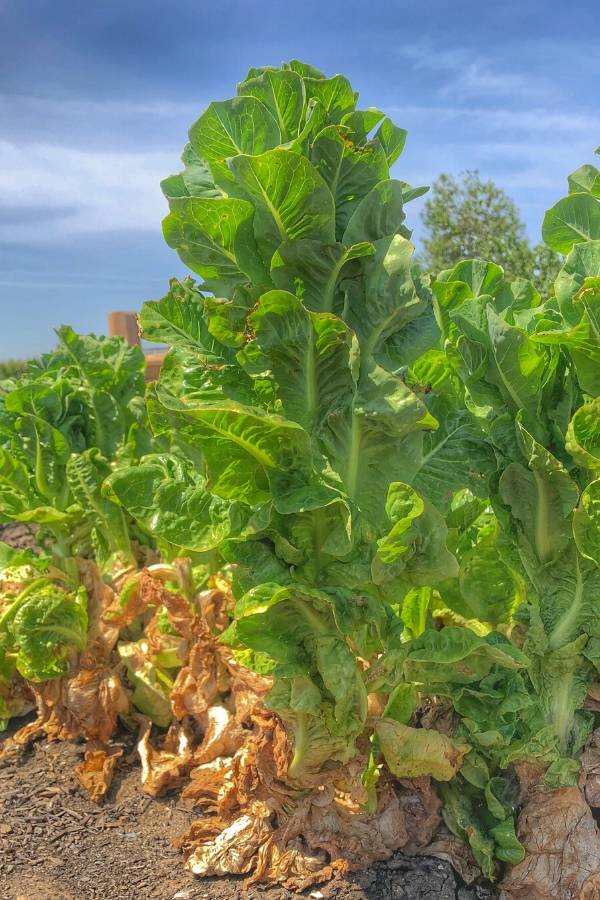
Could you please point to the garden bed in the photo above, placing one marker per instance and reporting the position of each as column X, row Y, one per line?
column 55, row 844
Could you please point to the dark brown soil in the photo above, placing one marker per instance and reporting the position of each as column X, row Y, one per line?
column 55, row 844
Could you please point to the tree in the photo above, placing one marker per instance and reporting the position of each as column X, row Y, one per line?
column 466, row 217
column 546, row 264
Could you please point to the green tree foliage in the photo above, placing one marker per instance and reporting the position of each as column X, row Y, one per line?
column 468, row 218
column 12, row 368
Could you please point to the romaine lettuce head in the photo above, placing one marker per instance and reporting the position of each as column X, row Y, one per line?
column 42, row 630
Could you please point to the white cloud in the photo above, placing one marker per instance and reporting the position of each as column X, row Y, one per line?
column 468, row 75
column 82, row 111
column 478, row 79
column 49, row 192
column 533, row 119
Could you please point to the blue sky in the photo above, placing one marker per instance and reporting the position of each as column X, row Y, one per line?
column 96, row 99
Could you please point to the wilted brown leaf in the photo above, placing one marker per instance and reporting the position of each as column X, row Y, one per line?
column 265, row 827
column 200, row 683
column 164, row 767
column 454, row 851
column 94, row 699
column 180, row 613
column 562, row 847
column 420, row 806
column 437, row 713
column 209, row 782
column 592, row 701
column 157, row 641
column 222, row 736
column 102, row 636
column 217, row 847
column 53, row 719
column 95, row 773
column 214, row 605
column 247, row 689
column 86, row 705
column 17, row 696
column 590, row 770
column 139, row 592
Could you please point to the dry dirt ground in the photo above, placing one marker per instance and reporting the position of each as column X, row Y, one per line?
column 55, row 844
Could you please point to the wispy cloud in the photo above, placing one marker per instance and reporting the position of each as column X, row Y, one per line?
column 504, row 113
column 464, row 75
column 87, row 124
column 109, row 107
column 535, row 119
column 48, row 192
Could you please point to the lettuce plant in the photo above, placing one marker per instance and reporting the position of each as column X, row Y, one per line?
column 64, row 425
column 40, row 626
column 527, row 372
column 306, row 463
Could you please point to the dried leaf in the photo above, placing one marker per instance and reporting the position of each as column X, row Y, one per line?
column 95, row 699
column 221, row 848
column 265, row 828
column 562, row 847
column 208, row 783
column 592, row 701
column 102, row 636
column 222, row 737
column 164, row 767
column 376, row 704
column 143, row 591
column 437, row 713
column 95, row 773
column 590, row 770
column 180, row 613
column 214, row 605
column 420, row 806
column 53, row 718
column 247, row 689
column 155, row 639
column 200, row 683
column 17, row 696
column 454, row 851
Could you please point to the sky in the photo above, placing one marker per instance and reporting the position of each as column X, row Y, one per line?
column 96, row 100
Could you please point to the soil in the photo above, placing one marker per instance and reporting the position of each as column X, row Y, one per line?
column 56, row 844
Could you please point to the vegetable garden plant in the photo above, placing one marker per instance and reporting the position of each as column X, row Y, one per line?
column 386, row 482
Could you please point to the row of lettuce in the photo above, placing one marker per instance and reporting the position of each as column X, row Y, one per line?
column 397, row 475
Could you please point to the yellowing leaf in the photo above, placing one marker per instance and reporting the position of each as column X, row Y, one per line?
column 412, row 752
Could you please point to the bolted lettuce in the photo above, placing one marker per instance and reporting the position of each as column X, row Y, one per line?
column 304, row 461
column 529, row 565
